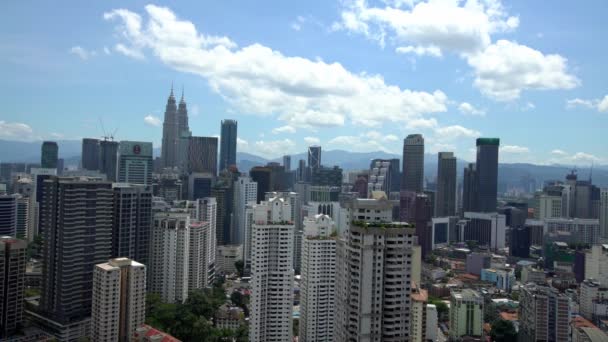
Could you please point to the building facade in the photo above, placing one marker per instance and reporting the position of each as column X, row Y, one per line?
column 228, row 141
column 413, row 163
column 49, row 155
column 119, row 300
column 466, row 314
column 544, row 314
column 487, row 173
column 13, row 258
column 135, row 163
column 202, row 155
column 132, row 223
column 90, row 154
column 445, row 200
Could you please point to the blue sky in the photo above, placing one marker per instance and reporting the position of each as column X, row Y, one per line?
column 354, row 75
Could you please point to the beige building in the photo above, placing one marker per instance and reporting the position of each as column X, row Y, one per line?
column 119, row 300
column 419, row 310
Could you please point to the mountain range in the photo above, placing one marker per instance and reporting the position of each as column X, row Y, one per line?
column 510, row 174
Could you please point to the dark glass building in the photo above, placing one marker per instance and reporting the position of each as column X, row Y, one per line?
column 445, row 204
column 228, row 141
column 202, row 155
column 90, row 154
column 413, row 163
column 49, row 156
column 108, row 155
column 487, row 173
column 132, row 222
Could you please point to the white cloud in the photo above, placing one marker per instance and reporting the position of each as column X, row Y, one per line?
column 80, row 52
column 273, row 148
column 16, row 131
column 312, row 140
column 56, row 135
column 242, row 143
column 129, row 52
column 258, row 80
column 468, row 109
column 600, row 105
column 296, row 26
column 153, row 121
column 527, row 106
column 456, row 132
column 284, row 129
column 514, row 149
column 585, row 157
column 504, row 69
column 458, row 26
column 366, row 142
column 420, row 50
column 106, row 50
column 422, row 123
column 559, row 152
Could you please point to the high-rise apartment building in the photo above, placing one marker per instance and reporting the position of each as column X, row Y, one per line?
column 592, row 293
column 135, row 162
column 317, row 293
column 76, row 216
column 170, row 255
column 446, row 185
column 547, row 206
column 108, row 158
column 596, row 264
column 380, row 176
column 373, row 276
column 201, row 264
column 202, row 155
column 132, row 225
column 228, row 141
column 23, row 216
column 466, row 314
column 49, row 155
column 90, row 154
column 413, row 163
column 245, row 192
column 8, row 215
column 272, row 272
column 119, row 300
column 175, row 123
column 12, row 284
column 487, row 173
column 544, row 314
column 314, row 157
column 418, row 315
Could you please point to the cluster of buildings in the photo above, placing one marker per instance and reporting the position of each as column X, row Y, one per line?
column 374, row 255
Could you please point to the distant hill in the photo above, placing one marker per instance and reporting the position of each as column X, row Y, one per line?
column 509, row 174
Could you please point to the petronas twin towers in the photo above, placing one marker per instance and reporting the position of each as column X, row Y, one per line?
column 175, row 132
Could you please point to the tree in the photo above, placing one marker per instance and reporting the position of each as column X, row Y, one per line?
column 503, row 331
column 442, row 308
column 240, row 267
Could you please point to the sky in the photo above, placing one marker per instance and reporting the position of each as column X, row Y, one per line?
column 353, row 75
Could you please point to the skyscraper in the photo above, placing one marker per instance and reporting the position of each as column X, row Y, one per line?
column 119, row 300
column 12, row 284
column 170, row 256
column 262, row 176
column 132, row 225
column 272, row 272
column 8, row 215
column 174, row 124
column 314, row 157
column 373, row 276
column 50, row 153
column 469, row 189
column 245, row 192
column 108, row 157
column 90, row 154
column 604, row 213
column 487, row 173
column 202, row 155
column 413, row 163
column 135, row 162
column 228, row 141
column 317, row 295
column 201, row 261
column 76, row 223
column 446, row 185
column 287, row 163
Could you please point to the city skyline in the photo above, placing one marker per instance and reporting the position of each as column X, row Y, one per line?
column 389, row 77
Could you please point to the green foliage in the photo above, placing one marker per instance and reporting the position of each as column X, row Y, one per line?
column 192, row 320
column 503, row 331
column 240, row 266
column 442, row 308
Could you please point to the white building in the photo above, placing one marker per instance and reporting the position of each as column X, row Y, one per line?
column 245, row 191
column 373, row 275
column 591, row 292
column 547, row 206
column 119, row 300
column 271, row 271
column 317, row 296
column 227, row 255
column 466, row 314
column 596, row 264
column 201, row 262
column 170, row 256
column 486, row 228
column 582, row 230
column 432, row 319
column 418, row 319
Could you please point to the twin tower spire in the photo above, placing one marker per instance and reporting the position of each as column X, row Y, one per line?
column 175, row 126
